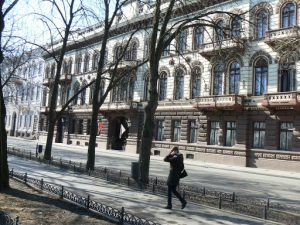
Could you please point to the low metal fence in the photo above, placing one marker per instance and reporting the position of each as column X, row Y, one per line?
column 119, row 216
column 258, row 207
column 5, row 219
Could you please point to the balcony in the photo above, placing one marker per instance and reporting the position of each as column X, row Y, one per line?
column 48, row 81
column 120, row 106
column 214, row 103
column 65, row 79
column 212, row 49
column 276, row 38
column 44, row 109
column 282, row 101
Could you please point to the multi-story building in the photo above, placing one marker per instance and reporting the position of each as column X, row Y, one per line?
column 227, row 94
column 23, row 96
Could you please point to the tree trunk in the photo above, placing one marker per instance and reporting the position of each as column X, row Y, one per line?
column 90, row 165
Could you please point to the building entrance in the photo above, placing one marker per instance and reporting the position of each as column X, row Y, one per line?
column 118, row 133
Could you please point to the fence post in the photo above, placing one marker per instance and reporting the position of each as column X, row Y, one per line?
column 122, row 216
column 88, row 202
column 233, row 197
column 25, row 178
column 204, row 191
column 62, row 192
column 42, row 183
column 220, row 202
column 265, row 212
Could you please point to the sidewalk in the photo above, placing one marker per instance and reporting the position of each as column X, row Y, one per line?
column 144, row 205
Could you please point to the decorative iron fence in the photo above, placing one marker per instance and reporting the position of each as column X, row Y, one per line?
column 119, row 216
column 257, row 207
column 5, row 219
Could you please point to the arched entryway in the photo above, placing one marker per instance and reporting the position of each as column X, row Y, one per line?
column 118, row 133
column 13, row 124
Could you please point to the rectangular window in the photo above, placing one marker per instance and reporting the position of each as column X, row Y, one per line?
column 259, row 129
column 214, row 133
column 42, row 125
column 230, row 133
column 193, row 131
column 176, row 130
column 160, row 130
column 286, row 136
column 80, row 126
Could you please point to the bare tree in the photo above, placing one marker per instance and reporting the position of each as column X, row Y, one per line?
column 4, row 176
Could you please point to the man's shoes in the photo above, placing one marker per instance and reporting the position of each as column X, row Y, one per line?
column 183, row 205
column 168, row 207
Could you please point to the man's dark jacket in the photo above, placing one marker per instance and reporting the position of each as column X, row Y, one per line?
column 176, row 166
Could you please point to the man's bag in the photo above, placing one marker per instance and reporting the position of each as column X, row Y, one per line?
column 183, row 174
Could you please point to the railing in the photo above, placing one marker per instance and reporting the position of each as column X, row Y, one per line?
column 233, row 102
column 291, row 32
column 5, row 219
column 130, row 105
column 258, row 207
column 281, row 100
column 116, row 215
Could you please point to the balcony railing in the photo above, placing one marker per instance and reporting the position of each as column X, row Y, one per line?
column 65, row 78
column 119, row 106
column 226, row 102
column 284, row 100
column 212, row 49
column 274, row 37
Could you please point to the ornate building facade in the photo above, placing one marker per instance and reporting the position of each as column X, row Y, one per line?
column 225, row 95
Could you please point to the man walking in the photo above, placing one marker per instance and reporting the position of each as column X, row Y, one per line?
column 176, row 166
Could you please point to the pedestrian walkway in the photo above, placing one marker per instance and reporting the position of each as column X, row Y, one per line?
column 144, row 205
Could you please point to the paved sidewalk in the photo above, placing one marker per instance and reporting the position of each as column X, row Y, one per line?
column 279, row 186
column 144, row 205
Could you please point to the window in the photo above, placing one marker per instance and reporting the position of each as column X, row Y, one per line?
column 288, row 15
column 214, row 133
column 217, row 81
column 44, row 96
column 118, row 53
column 166, row 50
column 70, row 65
column 230, row 133
column 80, row 126
column 78, row 65
column 236, row 27
column 95, row 61
column 160, row 130
column 146, row 48
column 176, row 130
column 146, row 87
column 261, row 77
column 133, row 51
column 220, row 32
column 86, row 65
column 259, row 129
column 234, row 78
column 261, row 23
column 286, row 136
column 198, row 37
column 287, row 75
column 92, row 89
column 83, row 93
column 196, row 82
column 75, row 90
column 88, row 126
column 181, row 42
column 32, row 93
column 47, row 72
column 65, row 67
column 163, row 86
column 131, row 88
column 179, row 84
column 124, row 90
column 52, row 71
column 37, row 93
column 193, row 131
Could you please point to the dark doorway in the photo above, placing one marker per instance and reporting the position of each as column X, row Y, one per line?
column 13, row 125
column 118, row 133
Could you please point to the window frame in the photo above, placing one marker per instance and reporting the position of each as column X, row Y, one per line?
column 260, row 132
column 287, row 132
column 214, row 133
column 176, row 130
column 230, row 133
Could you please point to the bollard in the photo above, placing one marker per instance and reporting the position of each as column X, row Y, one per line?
column 122, row 216
column 156, row 181
column 220, row 202
column 87, row 202
column 42, row 183
column 265, row 212
column 204, row 191
column 233, row 197
column 25, row 178
column 62, row 192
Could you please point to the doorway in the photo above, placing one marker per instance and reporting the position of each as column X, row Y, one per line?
column 118, row 133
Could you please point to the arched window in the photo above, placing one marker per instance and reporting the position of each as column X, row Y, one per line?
column 83, row 93
column 131, row 88
column 133, row 50
column 287, row 75
column 218, row 79
column 182, row 42
column 260, row 77
column 118, row 53
column 220, row 31
column 166, row 50
column 70, row 65
column 198, row 37
column 95, row 61
column 78, row 64
column 262, row 23
column 146, row 87
column 47, row 72
column 75, row 90
column 65, row 67
column 234, row 78
column 52, row 71
column 196, row 82
column 86, row 65
column 236, row 27
column 163, row 82
column 102, row 89
column 92, row 89
column 179, row 84
column 288, row 15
